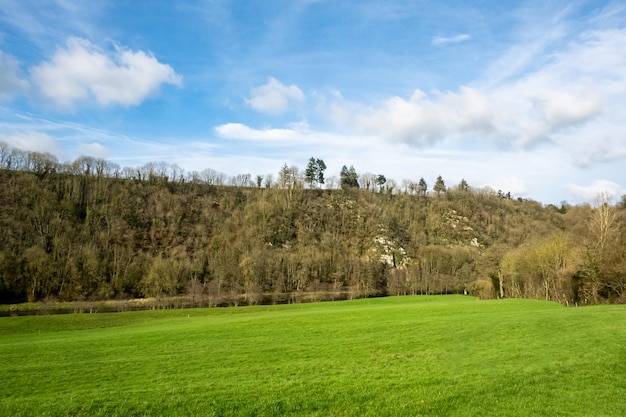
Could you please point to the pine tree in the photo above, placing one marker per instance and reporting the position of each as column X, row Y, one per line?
column 440, row 185
column 422, row 187
column 314, row 173
column 348, row 178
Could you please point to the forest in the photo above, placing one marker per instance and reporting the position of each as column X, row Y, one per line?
column 90, row 230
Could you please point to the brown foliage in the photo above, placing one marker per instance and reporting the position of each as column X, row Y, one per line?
column 84, row 233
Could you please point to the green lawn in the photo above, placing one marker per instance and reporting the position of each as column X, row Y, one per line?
column 397, row 356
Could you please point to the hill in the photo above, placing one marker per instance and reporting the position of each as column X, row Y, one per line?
column 85, row 234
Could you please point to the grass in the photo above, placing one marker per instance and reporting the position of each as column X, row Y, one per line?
column 396, row 356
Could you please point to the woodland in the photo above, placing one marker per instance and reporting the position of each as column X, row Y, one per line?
column 90, row 230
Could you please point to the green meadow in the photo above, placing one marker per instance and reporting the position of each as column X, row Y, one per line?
column 395, row 356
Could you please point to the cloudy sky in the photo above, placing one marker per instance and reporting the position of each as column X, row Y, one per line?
column 522, row 96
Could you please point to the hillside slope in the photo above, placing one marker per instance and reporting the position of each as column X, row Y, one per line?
column 86, row 237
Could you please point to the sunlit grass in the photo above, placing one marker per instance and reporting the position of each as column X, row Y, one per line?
column 446, row 355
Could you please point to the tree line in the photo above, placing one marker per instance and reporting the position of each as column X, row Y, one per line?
column 313, row 176
column 89, row 230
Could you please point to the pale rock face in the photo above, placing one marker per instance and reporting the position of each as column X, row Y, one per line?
column 456, row 221
column 389, row 252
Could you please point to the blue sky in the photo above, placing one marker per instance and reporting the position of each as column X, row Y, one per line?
column 523, row 96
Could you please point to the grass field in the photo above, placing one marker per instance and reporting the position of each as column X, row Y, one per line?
column 396, row 356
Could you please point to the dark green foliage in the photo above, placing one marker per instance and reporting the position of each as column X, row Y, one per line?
column 348, row 178
column 314, row 173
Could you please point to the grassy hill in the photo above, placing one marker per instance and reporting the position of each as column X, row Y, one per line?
column 401, row 356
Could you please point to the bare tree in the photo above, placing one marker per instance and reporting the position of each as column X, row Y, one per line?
column 5, row 155
column 602, row 221
column 176, row 173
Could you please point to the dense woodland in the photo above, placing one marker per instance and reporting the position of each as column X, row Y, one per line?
column 91, row 230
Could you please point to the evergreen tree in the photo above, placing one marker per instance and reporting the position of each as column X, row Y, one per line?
column 348, row 178
column 314, row 173
column 310, row 173
column 288, row 177
column 380, row 181
column 422, row 187
column 440, row 185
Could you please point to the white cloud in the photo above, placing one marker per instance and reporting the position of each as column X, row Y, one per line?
column 274, row 97
column 238, row 131
column 83, row 72
column 590, row 193
column 442, row 40
column 10, row 81
column 420, row 120
column 605, row 145
column 94, row 149
column 579, row 91
column 299, row 135
column 33, row 141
